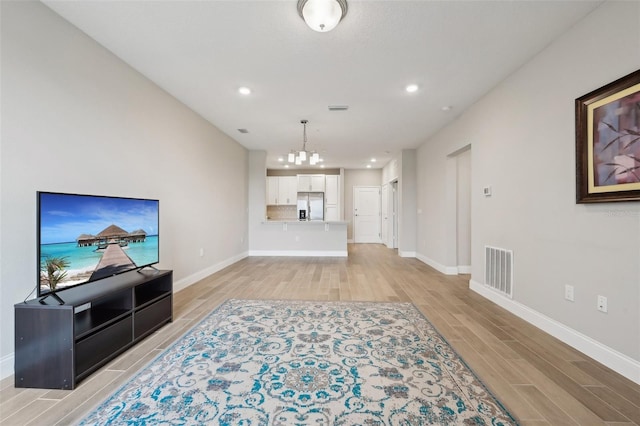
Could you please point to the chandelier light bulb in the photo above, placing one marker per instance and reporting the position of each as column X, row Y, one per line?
column 299, row 157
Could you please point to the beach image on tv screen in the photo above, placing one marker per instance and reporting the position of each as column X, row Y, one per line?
column 85, row 238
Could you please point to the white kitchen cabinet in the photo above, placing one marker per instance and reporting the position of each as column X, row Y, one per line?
column 331, row 213
column 331, row 189
column 272, row 190
column 311, row 183
column 287, row 190
column 332, row 198
column 282, row 190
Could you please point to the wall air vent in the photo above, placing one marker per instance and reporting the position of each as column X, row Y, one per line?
column 338, row 107
column 498, row 269
column 243, row 130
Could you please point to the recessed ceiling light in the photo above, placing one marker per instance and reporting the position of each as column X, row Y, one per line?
column 368, row 166
column 447, row 108
column 280, row 159
column 322, row 166
column 286, row 166
column 373, row 160
column 412, row 88
column 244, row 91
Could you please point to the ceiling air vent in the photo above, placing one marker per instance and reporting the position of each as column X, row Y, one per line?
column 243, row 130
column 338, row 107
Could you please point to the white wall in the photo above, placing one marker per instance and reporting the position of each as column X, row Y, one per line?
column 522, row 137
column 77, row 119
column 407, row 203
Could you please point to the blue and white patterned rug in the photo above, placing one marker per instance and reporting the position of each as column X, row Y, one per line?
column 257, row 362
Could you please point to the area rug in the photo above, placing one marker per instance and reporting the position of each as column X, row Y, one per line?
column 257, row 362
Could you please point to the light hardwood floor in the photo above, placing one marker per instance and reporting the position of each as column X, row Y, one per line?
column 539, row 379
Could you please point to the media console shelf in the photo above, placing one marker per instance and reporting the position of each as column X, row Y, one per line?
column 56, row 345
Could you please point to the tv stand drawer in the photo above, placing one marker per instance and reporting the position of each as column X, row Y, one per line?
column 93, row 351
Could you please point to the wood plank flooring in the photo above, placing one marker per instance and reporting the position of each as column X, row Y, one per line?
column 540, row 380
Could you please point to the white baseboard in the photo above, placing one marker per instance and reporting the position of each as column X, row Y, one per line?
column 300, row 253
column 406, row 253
column 447, row 270
column 613, row 359
column 194, row 278
column 6, row 366
column 464, row 269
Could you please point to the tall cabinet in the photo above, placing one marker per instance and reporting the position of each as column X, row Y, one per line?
column 332, row 198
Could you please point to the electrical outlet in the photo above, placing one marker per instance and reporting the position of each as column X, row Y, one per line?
column 602, row 303
column 568, row 292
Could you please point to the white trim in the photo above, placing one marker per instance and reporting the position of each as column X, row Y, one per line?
column 611, row 358
column 6, row 365
column 194, row 278
column 447, row 270
column 350, row 241
column 464, row 269
column 300, row 253
column 406, row 253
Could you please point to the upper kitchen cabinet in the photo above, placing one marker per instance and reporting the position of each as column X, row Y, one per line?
column 282, row 190
column 331, row 189
column 287, row 190
column 272, row 190
column 311, row 183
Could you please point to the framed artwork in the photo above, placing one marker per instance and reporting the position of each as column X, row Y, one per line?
column 608, row 142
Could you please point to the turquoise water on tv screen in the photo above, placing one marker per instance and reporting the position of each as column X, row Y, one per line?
column 81, row 258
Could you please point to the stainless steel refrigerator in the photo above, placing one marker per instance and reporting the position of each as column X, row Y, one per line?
column 311, row 205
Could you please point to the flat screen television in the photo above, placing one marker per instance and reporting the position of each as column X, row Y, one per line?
column 85, row 238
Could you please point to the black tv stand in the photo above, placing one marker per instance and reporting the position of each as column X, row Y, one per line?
column 52, row 294
column 148, row 266
column 58, row 345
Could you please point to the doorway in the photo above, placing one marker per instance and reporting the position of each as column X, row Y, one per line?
column 463, row 210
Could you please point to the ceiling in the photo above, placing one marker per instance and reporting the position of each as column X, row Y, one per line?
column 202, row 52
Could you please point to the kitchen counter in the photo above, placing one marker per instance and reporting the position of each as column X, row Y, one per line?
column 301, row 222
column 291, row 237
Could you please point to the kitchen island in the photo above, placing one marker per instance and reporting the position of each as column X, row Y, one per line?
column 301, row 238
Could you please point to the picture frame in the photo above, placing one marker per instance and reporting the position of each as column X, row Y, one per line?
column 608, row 142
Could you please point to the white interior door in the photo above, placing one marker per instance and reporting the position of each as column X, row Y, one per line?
column 366, row 214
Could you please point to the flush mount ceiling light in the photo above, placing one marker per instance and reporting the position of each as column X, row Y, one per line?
column 322, row 15
column 244, row 91
column 299, row 157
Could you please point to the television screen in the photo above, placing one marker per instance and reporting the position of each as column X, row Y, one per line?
column 84, row 238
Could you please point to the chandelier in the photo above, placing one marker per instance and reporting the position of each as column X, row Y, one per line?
column 299, row 157
column 322, row 15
